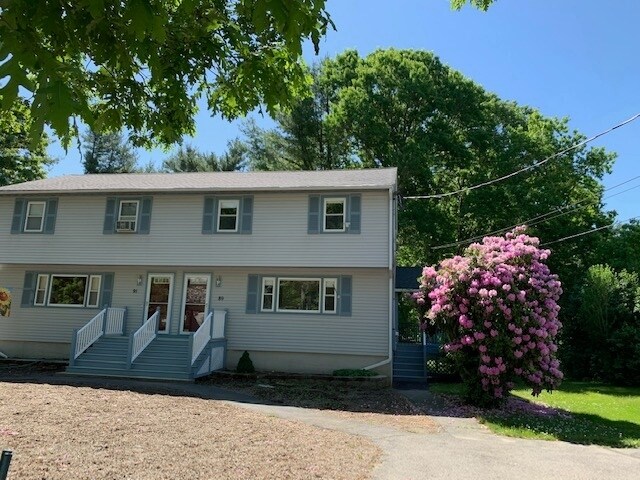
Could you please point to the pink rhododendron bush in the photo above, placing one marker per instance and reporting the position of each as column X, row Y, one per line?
column 497, row 308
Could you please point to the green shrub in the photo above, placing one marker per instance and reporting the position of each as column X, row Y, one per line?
column 349, row 372
column 601, row 337
column 624, row 347
column 245, row 365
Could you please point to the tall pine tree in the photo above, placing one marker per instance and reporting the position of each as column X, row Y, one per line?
column 107, row 153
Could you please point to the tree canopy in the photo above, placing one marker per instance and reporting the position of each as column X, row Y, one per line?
column 444, row 132
column 21, row 160
column 108, row 153
column 189, row 159
column 143, row 64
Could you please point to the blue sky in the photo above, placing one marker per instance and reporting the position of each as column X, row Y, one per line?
column 569, row 58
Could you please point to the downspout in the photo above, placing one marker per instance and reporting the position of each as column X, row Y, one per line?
column 391, row 263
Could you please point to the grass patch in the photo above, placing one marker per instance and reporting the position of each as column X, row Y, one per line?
column 578, row 412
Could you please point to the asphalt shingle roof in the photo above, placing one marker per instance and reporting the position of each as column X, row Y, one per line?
column 365, row 179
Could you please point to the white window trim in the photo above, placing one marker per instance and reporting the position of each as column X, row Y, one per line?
column 129, row 218
column 46, row 288
column 335, row 294
column 67, row 305
column 328, row 200
column 273, row 294
column 26, row 218
column 88, row 295
column 236, row 203
column 300, row 279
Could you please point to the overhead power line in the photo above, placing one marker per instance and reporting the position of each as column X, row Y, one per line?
column 587, row 232
column 543, row 217
column 530, row 167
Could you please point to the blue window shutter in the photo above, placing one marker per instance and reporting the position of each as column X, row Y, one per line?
column 355, row 207
column 209, row 215
column 29, row 289
column 106, row 287
column 314, row 214
column 50, row 218
column 145, row 215
column 19, row 211
column 110, row 215
column 246, row 220
column 345, row 296
column 253, row 294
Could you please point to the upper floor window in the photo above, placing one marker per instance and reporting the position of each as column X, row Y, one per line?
column 127, row 216
column 334, row 214
column 132, row 215
column 34, row 221
column 228, row 215
column 34, row 216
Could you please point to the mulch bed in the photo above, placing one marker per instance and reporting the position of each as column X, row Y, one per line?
column 73, row 432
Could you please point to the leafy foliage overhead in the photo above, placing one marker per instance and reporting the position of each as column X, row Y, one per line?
column 21, row 160
column 143, row 64
column 481, row 4
column 404, row 108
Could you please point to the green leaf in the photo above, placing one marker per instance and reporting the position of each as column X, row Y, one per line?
column 96, row 8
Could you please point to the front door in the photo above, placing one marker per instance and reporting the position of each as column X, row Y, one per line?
column 159, row 293
column 195, row 301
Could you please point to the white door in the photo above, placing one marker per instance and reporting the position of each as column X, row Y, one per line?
column 159, row 294
column 195, row 301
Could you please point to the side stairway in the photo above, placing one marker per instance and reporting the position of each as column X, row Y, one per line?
column 166, row 357
column 409, row 369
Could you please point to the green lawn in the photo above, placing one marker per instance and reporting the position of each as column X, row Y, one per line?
column 583, row 412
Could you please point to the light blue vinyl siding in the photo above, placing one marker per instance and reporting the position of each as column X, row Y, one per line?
column 279, row 235
column 364, row 332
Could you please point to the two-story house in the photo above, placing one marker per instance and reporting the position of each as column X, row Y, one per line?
column 175, row 275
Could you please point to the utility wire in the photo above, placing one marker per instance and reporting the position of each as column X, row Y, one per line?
column 525, row 169
column 543, row 217
column 587, row 232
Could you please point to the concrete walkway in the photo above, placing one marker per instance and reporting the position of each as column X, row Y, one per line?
column 463, row 449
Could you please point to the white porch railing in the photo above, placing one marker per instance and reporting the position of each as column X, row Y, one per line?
column 87, row 335
column 201, row 338
column 144, row 336
column 114, row 324
column 219, row 321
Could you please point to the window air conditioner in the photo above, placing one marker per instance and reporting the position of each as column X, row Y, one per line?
column 125, row 226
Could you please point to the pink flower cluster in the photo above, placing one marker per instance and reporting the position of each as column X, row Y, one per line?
column 498, row 304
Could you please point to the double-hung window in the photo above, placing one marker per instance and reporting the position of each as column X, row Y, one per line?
column 34, row 220
column 228, row 215
column 268, row 294
column 34, row 216
column 334, row 214
column 127, row 216
column 41, row 290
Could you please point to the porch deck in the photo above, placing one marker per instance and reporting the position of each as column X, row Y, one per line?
column 100, row 348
